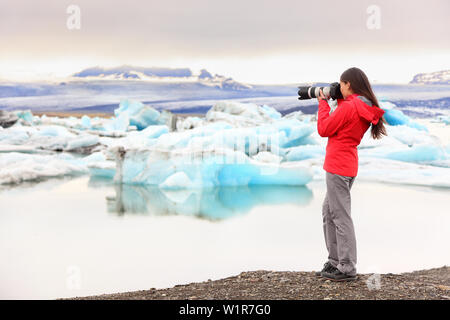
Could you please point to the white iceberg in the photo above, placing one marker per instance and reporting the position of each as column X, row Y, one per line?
column 241, row 114
column 18, row 167
column 46, row 137
column 82, row 141
column 189, row 123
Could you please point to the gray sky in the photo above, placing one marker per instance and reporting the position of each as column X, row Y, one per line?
column 254, row 41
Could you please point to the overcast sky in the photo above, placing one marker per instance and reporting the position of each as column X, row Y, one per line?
column 256, row 41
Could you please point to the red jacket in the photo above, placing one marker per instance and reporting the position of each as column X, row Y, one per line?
column 345, row 128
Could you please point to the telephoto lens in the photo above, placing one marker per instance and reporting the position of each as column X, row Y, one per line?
column 308, row 92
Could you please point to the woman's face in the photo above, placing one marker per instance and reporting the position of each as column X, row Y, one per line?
column 345, row 89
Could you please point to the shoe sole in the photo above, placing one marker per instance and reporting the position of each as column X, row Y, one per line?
column 320, row 275
column 341, row 280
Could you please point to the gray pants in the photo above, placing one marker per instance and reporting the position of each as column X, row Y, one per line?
column 338, row 225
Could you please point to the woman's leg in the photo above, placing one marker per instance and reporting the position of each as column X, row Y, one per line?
column 329, row 231
column 339, row 201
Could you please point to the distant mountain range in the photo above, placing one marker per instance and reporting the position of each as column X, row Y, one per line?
column 438, row 77
column 101, row 89
column 161, row 74
column 181, row 90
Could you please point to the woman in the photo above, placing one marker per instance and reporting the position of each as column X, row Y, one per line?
column 345, row 128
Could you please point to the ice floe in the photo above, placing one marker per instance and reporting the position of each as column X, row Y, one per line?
column 18, row 167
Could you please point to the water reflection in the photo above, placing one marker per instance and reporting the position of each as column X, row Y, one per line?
column 209, row 203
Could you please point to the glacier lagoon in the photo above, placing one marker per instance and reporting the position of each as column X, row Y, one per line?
column 101, row 200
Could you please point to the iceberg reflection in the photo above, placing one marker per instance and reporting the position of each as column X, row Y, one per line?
column 208, row 203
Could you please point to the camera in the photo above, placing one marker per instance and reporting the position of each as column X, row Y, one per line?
column 333, row 91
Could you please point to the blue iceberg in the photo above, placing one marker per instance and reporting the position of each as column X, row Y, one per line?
column 395, row 117
column 138, row 114
column 199, row 168
column 305, row 152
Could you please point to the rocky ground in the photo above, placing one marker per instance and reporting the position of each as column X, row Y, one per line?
column 270, row 285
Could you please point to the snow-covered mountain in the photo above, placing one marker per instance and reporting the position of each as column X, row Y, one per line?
column 158, row 74
column 220, row 81
column 130, row 72
column 438, row 77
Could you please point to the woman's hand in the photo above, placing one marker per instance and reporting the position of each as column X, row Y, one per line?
column 321, row 96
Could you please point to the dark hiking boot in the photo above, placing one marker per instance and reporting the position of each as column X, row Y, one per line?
column 327, row 267
column 336, row 275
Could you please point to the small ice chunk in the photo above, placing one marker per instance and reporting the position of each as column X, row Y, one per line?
column 189, row 123
column 444, row 119
column 86, row 122
column 139, row 115
column 240, row 114
column 82, row 141
column 153, row 132
column 103, row 169
column 305, row 152
column 271, row 112
column 267, row 157
column 418, row 153
column 54, row 131
column 25, row 115
column 119, row 123
column 178, row 180
column 147, row 116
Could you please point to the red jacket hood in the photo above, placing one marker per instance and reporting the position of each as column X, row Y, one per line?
column 365, row 109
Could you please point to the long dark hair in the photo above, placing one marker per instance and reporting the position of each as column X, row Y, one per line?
column 359, row 83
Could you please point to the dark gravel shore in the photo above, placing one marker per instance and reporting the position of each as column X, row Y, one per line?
column 425, row 284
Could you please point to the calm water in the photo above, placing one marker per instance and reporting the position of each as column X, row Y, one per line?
column 75, row 237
